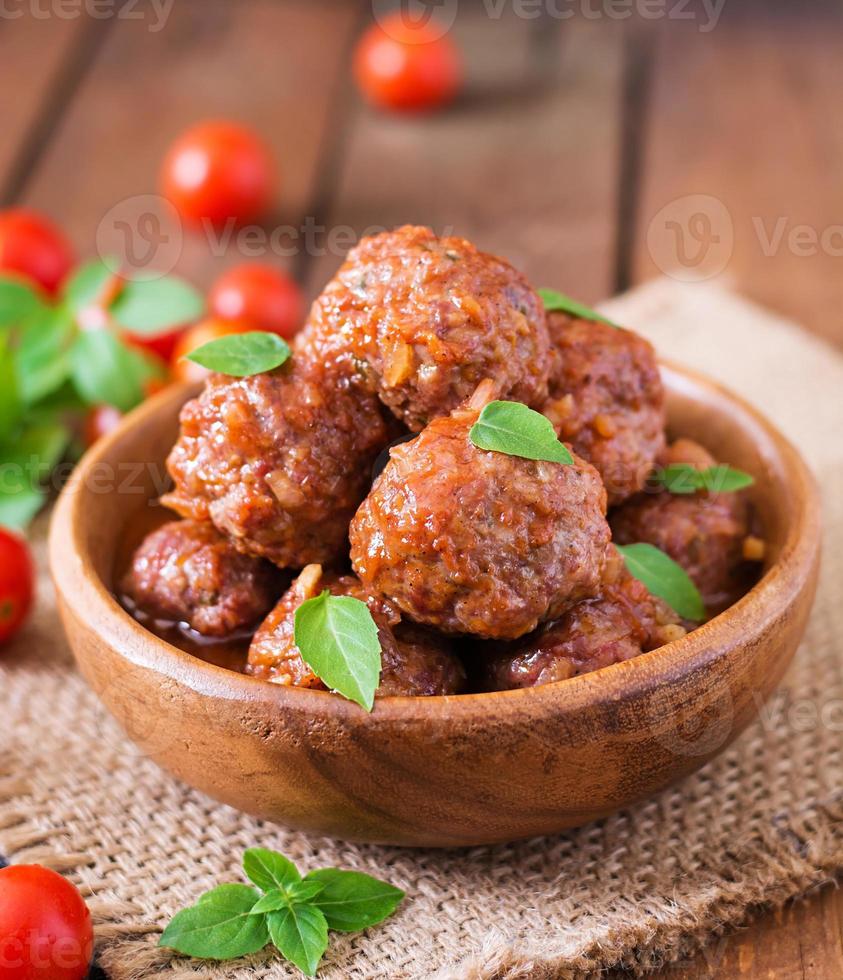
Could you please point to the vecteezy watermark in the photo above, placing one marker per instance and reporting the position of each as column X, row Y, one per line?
column 692, row 238
column 143, row 236
column 157, row 12
column 140, row 234
column 801, row 240
column 436, row 17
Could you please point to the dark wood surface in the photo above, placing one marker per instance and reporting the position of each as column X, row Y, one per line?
column 573, row 152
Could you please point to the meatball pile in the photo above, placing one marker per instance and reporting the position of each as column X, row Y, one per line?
column 458, row 552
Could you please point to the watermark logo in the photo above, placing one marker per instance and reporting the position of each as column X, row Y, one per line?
column 140, row 234
column 692, row 238
column 431, row 18
column 156, row 12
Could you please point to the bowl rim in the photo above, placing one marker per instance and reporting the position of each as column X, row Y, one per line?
column 80, row 587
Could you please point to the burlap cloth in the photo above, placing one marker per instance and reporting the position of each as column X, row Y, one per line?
column 762, row 823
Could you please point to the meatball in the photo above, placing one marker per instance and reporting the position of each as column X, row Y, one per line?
column 606, row 399
column 623, row 622
column 471, row 541
column 426, row 319
column 415, row 662
column 278, row 461
column 187, row 572
column 704, row 532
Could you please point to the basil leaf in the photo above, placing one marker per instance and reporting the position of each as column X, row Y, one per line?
column 88, row 286
column 107, row 371
column 242, row 354
column 269, row 869
column 725, row 479
column 338, row 639
column 220, row 926
column 300, row 932
column 351, row 900
column 664, row 578
column 555, row 302
column 41, row 359
column 682, row 478
column 297, row 893
column 152, row 306
column 514, row 429
column 11, row 402
column 18, row 508
column 17, row 301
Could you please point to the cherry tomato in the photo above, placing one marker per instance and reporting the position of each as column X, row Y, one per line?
column 162, row 345
column 33, row 246
column 202, row 333
column 219, row 170
column 260, row 295
column 407, row 67
column 100, row 420
column 45, row 927
column 17, row 584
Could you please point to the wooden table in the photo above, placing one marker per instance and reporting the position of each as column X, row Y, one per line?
column 593, row 152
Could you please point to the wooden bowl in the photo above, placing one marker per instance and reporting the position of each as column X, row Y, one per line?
column 466, row 770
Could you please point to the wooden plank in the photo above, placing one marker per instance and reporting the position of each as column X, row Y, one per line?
column 525, row 164
column 274, row 65
column 38, row 60
column 749, row 115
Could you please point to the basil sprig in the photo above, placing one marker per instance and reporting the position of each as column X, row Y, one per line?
column 59, row 357
column 556, row 302
column 664, row 578
column 682, row 478
column 242, row 354
column 514, row 429
column 338, row 639
column 292, row 912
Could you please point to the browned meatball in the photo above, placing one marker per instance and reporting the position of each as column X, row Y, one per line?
column 471, row 541
column 426, row 319
column 187, row 572
column 278, row 461
column 703, row 532
column 606, row 399
column 623, row 622
column 415, row 662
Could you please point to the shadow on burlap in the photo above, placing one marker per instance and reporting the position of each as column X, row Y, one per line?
column 760, row 824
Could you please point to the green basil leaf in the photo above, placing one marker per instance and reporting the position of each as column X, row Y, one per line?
column 682, row 478
column 18, row 508
column 11, row 401
column 300, row 933
column 514, row 429
column 351, row 900
column 152, row 306
column 725, row 479
column 107, row 371
column 298, row 893
column 88, row 286
column 242, row 354
column 269, row 869
column 42, row 360
column 664, row 578
column 555, row 302
column 220, row 926
column 17, row 301
column 338, row 639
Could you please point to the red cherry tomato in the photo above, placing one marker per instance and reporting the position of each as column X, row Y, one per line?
column 407, row 67
column 219, row 170
column 45, row 927
column 162, row 345
column 17, row 584
column 259, row 295
column 100, row 420
column 202, row 333
column 33, row 246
